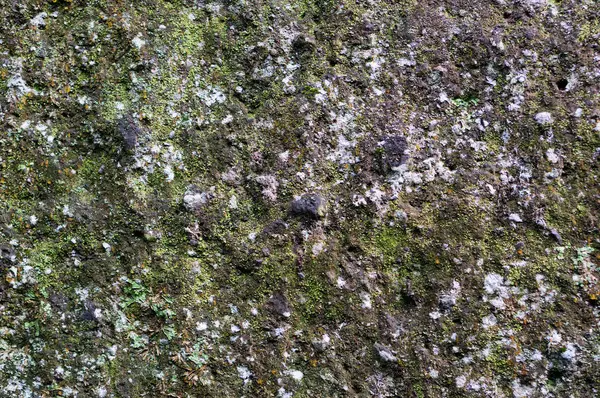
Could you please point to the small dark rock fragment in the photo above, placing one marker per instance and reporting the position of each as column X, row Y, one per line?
column 89, row 314
column 446, row 302
column 277, row 227
column 58, row 301
column 321, row 344
column 303, row 44
column 279, row 304
column 556, row 236
column 6, row 252
column 129, row 130
column 310, row 205
column 390, row 325
column 393, row 152
column 562, row 84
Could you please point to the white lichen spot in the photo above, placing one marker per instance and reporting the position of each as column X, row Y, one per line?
column 211, row 95
column 244, row 374
column 193, row 200
column 201, row 326
column 570, row 352
column 515, row 217
column 317, row 248
column 18, row 87
column 494, row 283
column 169, row 173
column 449, row 299
column 489, row 321
column 552, row 156
column 138, row 42
column 295, row 374
column 435, row 315
column 59, row 371
column 366, row 301
column 536, row 3
column 359, row 200
column 284, row 156
column 544, row 118
column 461, row 381
column 270, row 185
column 228, row 119
column 233, row 202
column 101, row 392
column 520, row 391
column 554, row 338
column 39, row 20
column 344, row 153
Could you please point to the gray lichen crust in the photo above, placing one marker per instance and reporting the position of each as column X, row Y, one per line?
column 311, row 198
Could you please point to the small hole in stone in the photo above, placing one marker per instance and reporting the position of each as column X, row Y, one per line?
column 562, row 84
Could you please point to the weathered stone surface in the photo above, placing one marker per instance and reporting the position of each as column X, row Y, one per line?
column 305, row 198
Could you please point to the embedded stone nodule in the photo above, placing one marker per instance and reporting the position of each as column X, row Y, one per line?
column 309, row 205
column 130, row 131
column 393, row 152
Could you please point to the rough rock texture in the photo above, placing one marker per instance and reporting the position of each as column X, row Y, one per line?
column 310, row 205
column 150, row 152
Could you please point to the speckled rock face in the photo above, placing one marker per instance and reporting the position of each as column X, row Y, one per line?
column 310, row 198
